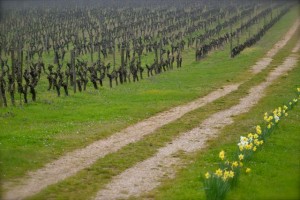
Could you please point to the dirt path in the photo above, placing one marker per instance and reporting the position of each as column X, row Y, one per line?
column 77, row 160
column 263, row 63
column 146, row 175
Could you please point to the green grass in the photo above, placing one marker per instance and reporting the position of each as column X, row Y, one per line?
column 275, row 168
column 90, row 180
column 42, row 131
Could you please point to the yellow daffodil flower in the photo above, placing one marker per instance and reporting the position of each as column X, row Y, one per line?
column 222, row 155
column 258, row 129
column 207, row 175
column 235, row 164
column 231, row 174
column 250, row 135
column 219, row 172
column 244, row 139
column 269, row 126
column 270, row 118
column 241, row 156
column 261, row 142
column 254, row 148
column 256, row 142
column 225, row 175
column 241, row 148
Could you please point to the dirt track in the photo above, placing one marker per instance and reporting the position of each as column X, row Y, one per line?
column 75, row 161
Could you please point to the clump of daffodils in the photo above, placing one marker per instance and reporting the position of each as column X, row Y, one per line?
column 218, row 183
column 249, row 144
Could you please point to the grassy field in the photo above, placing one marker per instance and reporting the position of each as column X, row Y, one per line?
column 35, row 134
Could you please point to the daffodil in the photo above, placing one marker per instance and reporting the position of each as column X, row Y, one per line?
column 250, row 135
column 222, row 155
column 235, row 164
column 248, row 170
column 244, row 139
column 270, row 118
column 277, row 118
column 254, row 148
column 241, row 148
column 249, row 146
column 243, row 142
column 261, row 142
column 258, row 131
column 219, row 172
column 286, row 114
column 231, row 174
column 241, row 156
column 269, row 126
column 227, row 174
column 207, row 175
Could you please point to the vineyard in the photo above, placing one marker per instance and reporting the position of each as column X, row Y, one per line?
column 134, row 99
